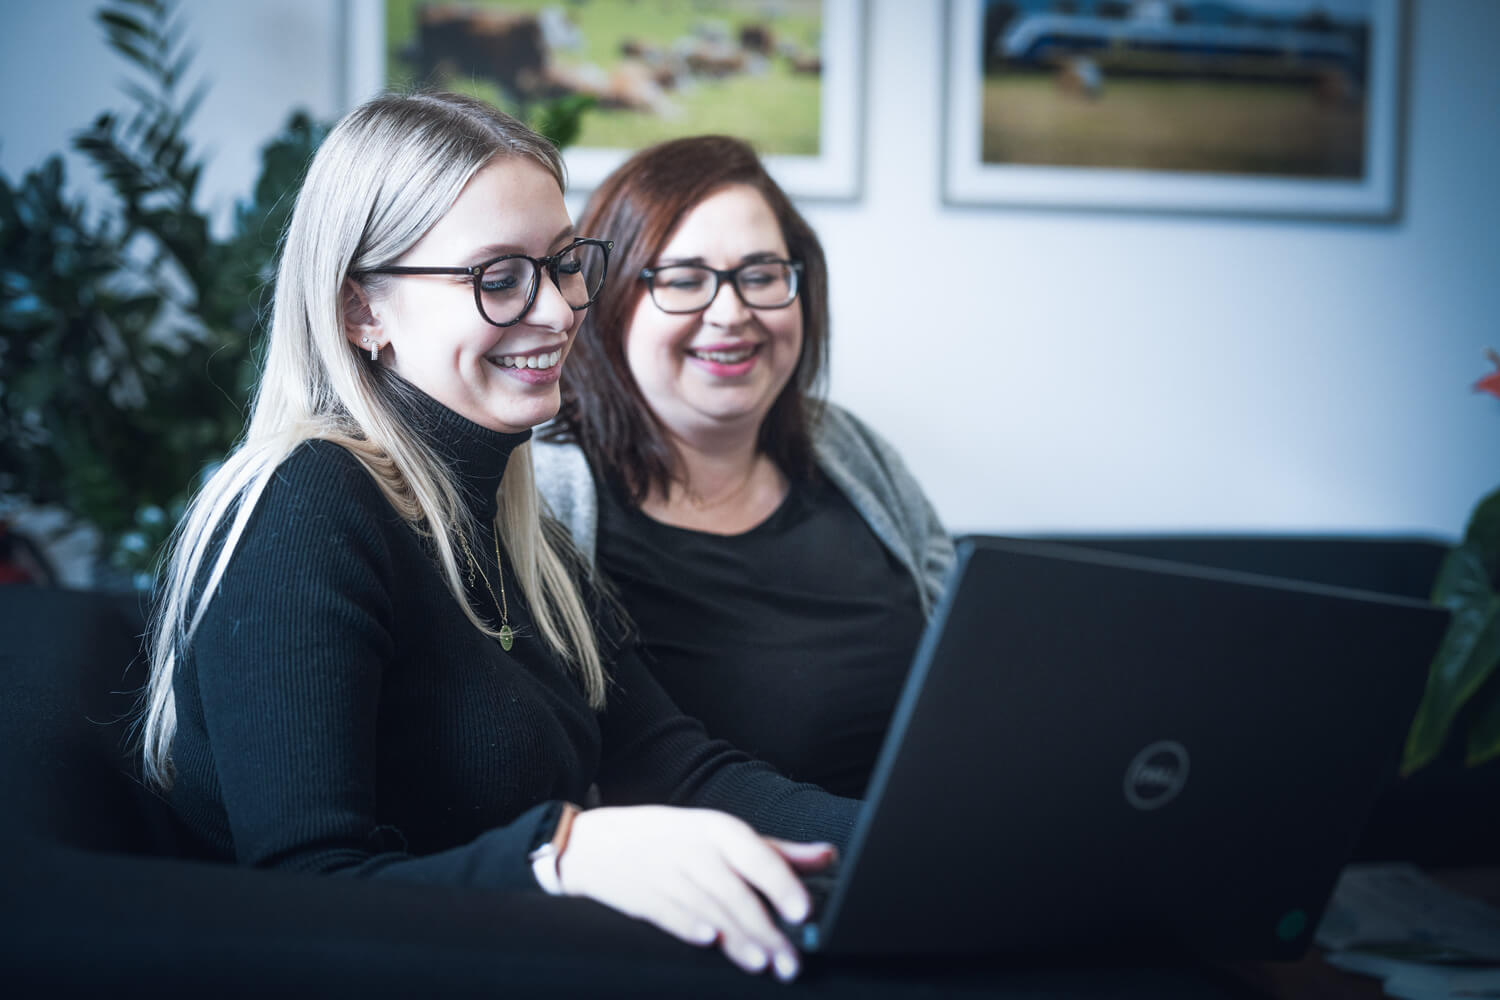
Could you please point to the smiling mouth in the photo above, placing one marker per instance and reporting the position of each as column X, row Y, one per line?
column 729, row 357
column 536, row 361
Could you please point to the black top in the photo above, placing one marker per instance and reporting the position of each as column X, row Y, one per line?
column 791, row 641
column 338, row 713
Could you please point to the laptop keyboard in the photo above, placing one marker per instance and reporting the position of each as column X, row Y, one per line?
column 819, row 887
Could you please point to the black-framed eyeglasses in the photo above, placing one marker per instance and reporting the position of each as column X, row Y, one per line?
column 686, row 288
column 505, row 286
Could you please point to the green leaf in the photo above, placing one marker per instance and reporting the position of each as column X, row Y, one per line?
column 1462, row 580
column 1465, row 659
column 143, row 97
column 194, row 99
column 1483, row 535
column 1484, row 724
column 179, row 68
column 561, row 120
column 113, row 19
column 130, row 51
column 172, row 30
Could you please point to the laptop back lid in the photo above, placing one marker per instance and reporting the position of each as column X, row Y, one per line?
column 1097, row 753
column 1405, row 567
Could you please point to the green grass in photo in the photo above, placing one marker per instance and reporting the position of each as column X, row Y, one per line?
column 1187, row 125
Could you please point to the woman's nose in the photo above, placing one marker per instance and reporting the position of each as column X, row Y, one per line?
column 726, row 308
column 550, row 310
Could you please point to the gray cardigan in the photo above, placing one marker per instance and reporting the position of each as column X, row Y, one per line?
column 854, row 458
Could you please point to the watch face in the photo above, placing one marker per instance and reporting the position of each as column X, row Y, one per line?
column 544, row 869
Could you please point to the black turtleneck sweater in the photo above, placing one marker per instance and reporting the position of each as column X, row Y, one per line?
column 337, row 712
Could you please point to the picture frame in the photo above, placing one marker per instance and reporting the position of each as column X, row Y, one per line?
column 1012, row 138
column 833, row 171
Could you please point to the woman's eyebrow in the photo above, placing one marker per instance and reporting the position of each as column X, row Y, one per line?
column 749, row 258
column 491, row 250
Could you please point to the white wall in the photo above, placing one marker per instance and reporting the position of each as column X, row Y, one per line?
column 1049, row 370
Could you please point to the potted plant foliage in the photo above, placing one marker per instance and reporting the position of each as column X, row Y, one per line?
column 128, row 335
column 1463, row 681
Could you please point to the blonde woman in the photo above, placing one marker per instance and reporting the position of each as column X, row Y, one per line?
column 372, row 657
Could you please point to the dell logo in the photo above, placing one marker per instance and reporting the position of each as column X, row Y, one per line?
column 1156, row 775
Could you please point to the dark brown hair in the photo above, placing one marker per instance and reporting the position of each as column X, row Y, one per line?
column 638, row 206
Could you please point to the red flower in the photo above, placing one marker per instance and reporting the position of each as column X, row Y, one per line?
column 1491, row 382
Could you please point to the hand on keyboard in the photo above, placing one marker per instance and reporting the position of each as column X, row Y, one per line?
column 702, row 876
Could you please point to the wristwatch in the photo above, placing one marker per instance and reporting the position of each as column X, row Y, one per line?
column 546, row 856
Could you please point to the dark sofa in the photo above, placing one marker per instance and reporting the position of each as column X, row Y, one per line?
column 99, row 894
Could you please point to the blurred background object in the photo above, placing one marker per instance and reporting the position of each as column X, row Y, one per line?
column 22, row 560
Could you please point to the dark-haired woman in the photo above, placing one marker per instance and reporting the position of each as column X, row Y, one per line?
column 777, row 557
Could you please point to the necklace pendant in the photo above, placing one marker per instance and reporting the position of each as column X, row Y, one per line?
column 507, row 638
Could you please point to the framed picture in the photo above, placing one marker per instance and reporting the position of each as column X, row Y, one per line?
column 787, row 76
column 1282, row 107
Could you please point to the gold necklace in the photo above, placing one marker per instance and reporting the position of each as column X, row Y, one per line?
column 704, row 503
column 507, row 635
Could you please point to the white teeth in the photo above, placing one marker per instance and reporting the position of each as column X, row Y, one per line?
column 543, row 361
column 725, row 357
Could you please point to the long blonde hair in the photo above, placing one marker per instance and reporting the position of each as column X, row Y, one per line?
column 383, row 176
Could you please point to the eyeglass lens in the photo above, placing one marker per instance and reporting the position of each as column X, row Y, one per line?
column 688, row 287
column 507, row 285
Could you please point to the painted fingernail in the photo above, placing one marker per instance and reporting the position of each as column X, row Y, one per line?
column 794, row 908
column 753, row 957
column 705, row 934
column 786, row 966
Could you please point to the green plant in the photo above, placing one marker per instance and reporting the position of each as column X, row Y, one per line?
column 1464, row 674
column 128, row 341
column 560, row 119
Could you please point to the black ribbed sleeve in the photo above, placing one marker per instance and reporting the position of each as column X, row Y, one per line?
column 654, row 753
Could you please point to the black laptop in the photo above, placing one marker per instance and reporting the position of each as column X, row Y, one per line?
column 1101, row 754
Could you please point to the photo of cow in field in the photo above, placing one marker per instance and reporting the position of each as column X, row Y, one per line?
column 654, row 69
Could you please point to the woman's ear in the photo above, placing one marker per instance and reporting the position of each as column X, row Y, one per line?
column 361, row 326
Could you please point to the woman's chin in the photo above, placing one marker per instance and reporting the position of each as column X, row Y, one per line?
column 513, row 415
column 720, row 416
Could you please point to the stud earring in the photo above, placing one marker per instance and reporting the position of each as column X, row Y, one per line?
column 374, row 348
